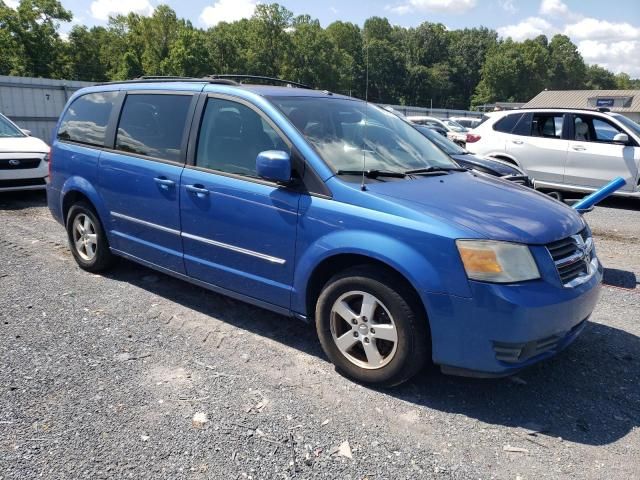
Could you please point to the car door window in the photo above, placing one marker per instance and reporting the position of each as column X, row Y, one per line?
column 588, row 128
column 153, row 125
column 507, row 123
column 231, row 137
column 547, row 125
column 85, row 121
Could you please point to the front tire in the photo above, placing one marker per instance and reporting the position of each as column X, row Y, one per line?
column 371, row 332
column 87, row 240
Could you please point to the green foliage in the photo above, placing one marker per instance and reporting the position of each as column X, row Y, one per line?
column 421, row 66
column 599, row 78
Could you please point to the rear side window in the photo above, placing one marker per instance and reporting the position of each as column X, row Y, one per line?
column 548, row 125
column 153, row 125
column 507, row 123
column 85, row 121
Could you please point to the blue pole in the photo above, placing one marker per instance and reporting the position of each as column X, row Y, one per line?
column 599, row 195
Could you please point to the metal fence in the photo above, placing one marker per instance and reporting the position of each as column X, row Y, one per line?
column 35, row 103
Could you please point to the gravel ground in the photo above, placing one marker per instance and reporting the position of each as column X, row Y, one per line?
column 101, row 376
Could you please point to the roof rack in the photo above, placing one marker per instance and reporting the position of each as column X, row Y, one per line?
column 288, row 83
column 223, row 79
column 587, row 109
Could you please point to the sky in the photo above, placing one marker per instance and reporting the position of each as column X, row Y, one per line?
column 607, row 32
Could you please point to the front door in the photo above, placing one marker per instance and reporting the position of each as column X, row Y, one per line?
column 594, row 159
column 238, row 231
column 140, row 178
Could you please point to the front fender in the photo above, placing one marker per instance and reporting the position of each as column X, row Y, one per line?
column 409, row 262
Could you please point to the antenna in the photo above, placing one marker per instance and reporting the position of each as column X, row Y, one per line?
column 363, row 187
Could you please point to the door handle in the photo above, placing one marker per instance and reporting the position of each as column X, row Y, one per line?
column 199, row 190
column 517, row 142
column 578, row 148
column 164, row 183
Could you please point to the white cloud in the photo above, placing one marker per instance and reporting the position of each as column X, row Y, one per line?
column 12, row 3
column 508, row 6
column 528, row 28
column 554, row 8
column 227, row 11
column 103, row 9
column 615, row 56
column 447, row 6
column 593, row 29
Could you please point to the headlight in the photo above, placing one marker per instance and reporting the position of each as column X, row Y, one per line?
column 500, row 262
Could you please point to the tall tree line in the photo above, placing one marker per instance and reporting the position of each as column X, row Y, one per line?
column 421, row 66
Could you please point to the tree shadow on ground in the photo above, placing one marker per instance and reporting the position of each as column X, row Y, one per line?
column 588, row 394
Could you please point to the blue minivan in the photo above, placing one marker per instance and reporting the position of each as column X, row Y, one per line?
column 327, row 209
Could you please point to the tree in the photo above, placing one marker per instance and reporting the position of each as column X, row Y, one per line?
column 32, row 31
column 513, row 72
column 566, row 66
column 599, row 78
column 347, row 40
column 269, row 41
column 84, row 54
column 311, row 58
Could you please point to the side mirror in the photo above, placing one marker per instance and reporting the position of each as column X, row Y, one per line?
column 274, row 165
column 26, row 132
column 621, row 138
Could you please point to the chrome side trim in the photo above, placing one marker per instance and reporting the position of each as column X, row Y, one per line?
column 262, row 256
column 145, row 223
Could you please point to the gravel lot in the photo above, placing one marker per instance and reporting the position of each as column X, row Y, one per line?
column 101, row 376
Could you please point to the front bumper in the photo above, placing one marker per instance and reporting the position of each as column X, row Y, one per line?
column 504, row 328
column 19, row 178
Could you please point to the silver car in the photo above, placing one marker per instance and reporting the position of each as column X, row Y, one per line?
column 564, row 149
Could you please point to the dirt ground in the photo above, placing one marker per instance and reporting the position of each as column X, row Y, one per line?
column 101, row 376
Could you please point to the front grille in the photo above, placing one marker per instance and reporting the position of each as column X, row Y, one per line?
column 19, row 163
column 573, row 256
column 22, row 182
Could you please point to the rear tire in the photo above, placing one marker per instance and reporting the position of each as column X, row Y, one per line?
column 87, row 240
column 371, row 332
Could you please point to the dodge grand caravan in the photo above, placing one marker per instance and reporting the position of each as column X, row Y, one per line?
column 322, row 207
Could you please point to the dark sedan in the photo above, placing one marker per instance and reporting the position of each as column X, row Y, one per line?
column 466, row 159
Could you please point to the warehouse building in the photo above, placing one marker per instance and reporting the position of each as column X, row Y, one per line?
column 36, row 103
column 625, row 102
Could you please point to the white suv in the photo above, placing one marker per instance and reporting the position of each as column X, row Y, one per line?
column 564, row 149
column 23, row 158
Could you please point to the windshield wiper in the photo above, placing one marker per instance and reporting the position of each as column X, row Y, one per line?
column 435, row 169
column 373, row 173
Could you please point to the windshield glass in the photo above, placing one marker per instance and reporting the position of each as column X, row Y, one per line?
column 627, row 122
column 346, row 137
column 443, row 142
column 455, row 126
column 8, row 129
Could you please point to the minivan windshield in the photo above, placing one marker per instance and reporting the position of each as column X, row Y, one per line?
column 8, row 129
column 349, row 133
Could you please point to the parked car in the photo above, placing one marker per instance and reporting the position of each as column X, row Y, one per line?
column 464, row 158
column 467, row 122
column 279, row 197
column 564, row 149
column 23, row 158
column 455, row 131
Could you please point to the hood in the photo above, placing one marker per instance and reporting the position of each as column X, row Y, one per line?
column 22, row 144
column 500, row 168
column 494, row 208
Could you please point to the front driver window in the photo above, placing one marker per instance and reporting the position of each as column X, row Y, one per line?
column 231, row 137
column 593, row 129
